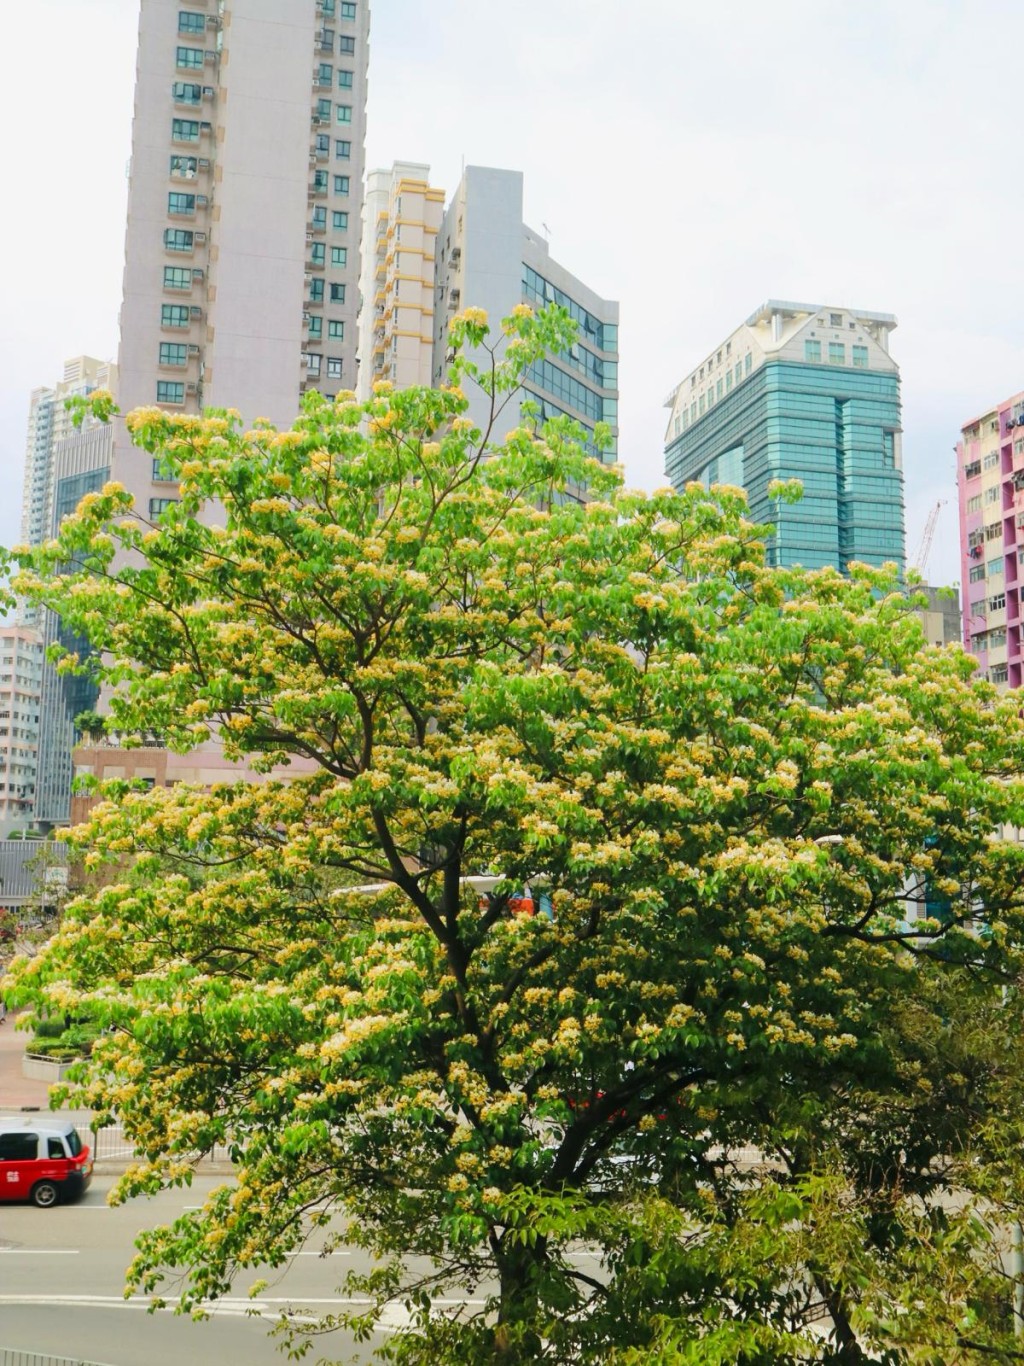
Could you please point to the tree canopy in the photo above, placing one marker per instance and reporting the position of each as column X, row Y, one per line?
column 763, row 1054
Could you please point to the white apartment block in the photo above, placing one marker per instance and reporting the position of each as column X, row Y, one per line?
column 244, row 204
column 488, row 258
column 402, row 214
column 21, row 662
column 50, row 422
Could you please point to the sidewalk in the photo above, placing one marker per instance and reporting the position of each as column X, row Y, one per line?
column 16, row 1091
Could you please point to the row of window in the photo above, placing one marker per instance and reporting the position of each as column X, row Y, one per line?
column 315, row 326
column 836, row 353
column 316, row 292
column 342, row 148
column 318, row 255
column 325, row 76
column 187, row 130
column 605, row 336
column 190, row 58
column 572, row 392
column 339, row 218
column 314, row 363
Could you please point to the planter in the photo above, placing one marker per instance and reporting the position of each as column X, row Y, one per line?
column 38, row 1068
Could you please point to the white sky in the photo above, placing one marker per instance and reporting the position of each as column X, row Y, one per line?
column 690, row 159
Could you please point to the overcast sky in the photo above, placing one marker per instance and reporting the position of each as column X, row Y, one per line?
column 690, row 159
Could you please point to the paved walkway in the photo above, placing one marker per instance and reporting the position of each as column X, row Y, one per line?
column 17, row 1092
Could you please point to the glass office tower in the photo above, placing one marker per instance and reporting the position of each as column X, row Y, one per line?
column 809, row 393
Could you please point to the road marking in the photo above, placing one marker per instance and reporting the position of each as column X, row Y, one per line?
column 39, row 1251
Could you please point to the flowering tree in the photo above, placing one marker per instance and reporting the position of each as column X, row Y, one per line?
column 762, row 1035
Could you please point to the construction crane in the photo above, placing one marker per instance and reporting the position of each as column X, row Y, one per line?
column 920, row 560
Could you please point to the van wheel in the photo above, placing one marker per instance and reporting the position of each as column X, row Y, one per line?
column 44, row 1194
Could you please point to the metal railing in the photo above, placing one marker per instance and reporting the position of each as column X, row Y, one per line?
column 111, row 1145
column 11, row 1356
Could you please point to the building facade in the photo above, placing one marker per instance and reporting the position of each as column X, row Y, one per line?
column 808, row 392
column 82, row 465
column 402, row 214
column 990, row 485
column 49, row 423
column 244, row 204
column 21, row 663
column 488, row 258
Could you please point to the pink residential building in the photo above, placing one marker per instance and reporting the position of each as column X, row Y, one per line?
column 990, row 484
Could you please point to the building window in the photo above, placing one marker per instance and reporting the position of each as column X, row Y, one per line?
column 344, row 113
column 974, row 504
column 999, row 673
column 835, row 320
column 177, row 277
column 319, row 219
column 159, row 505
column 992, row 495
column 181, row 205
column 191, row 58
column 837, row 353
column 337, row 294
column 346, row 46
column 860, row 357
column 184, row 167
column 318, row 253
column 328, row 7
column 748, row 363
column 174, row 315
column 183, row 92
column 323, row 111
column 316, row 291
column 345, row 80
column 995, row 567
column 160, row 474
column 990, row 461
column 323, row 144
column 339, row 256
column 341, row 184
column 339, row 220
column 343, row 150
column 177, row 239
column 315, row 326
column 185, row 130
column 313, row 363
column 325, row 73
column 700, row 403
column 718, row 389
column 320, row 181
column 812, row 350
column 190, row 22
column 173, row 353
column 333, row 368
column 336, row 331
column 169, row 391
column 997, row 603
column 347, row 9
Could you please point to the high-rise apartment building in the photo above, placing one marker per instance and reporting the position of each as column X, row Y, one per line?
column 488, row 258
column 244, row 205
column 990, row 483
column 402, row 214
column 808, row 392
column 49, row 423
column 21, row 662
column 30, row 689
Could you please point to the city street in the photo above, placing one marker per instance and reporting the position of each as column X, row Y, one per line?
column 62, row 1279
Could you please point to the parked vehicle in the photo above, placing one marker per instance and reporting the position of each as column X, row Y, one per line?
column 43, row 1160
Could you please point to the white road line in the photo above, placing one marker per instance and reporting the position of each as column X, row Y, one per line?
column 39, row 1251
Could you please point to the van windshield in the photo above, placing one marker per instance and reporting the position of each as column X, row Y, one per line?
column 74, row 1142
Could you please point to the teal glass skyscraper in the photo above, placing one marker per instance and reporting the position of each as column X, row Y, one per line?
column 804, row 392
